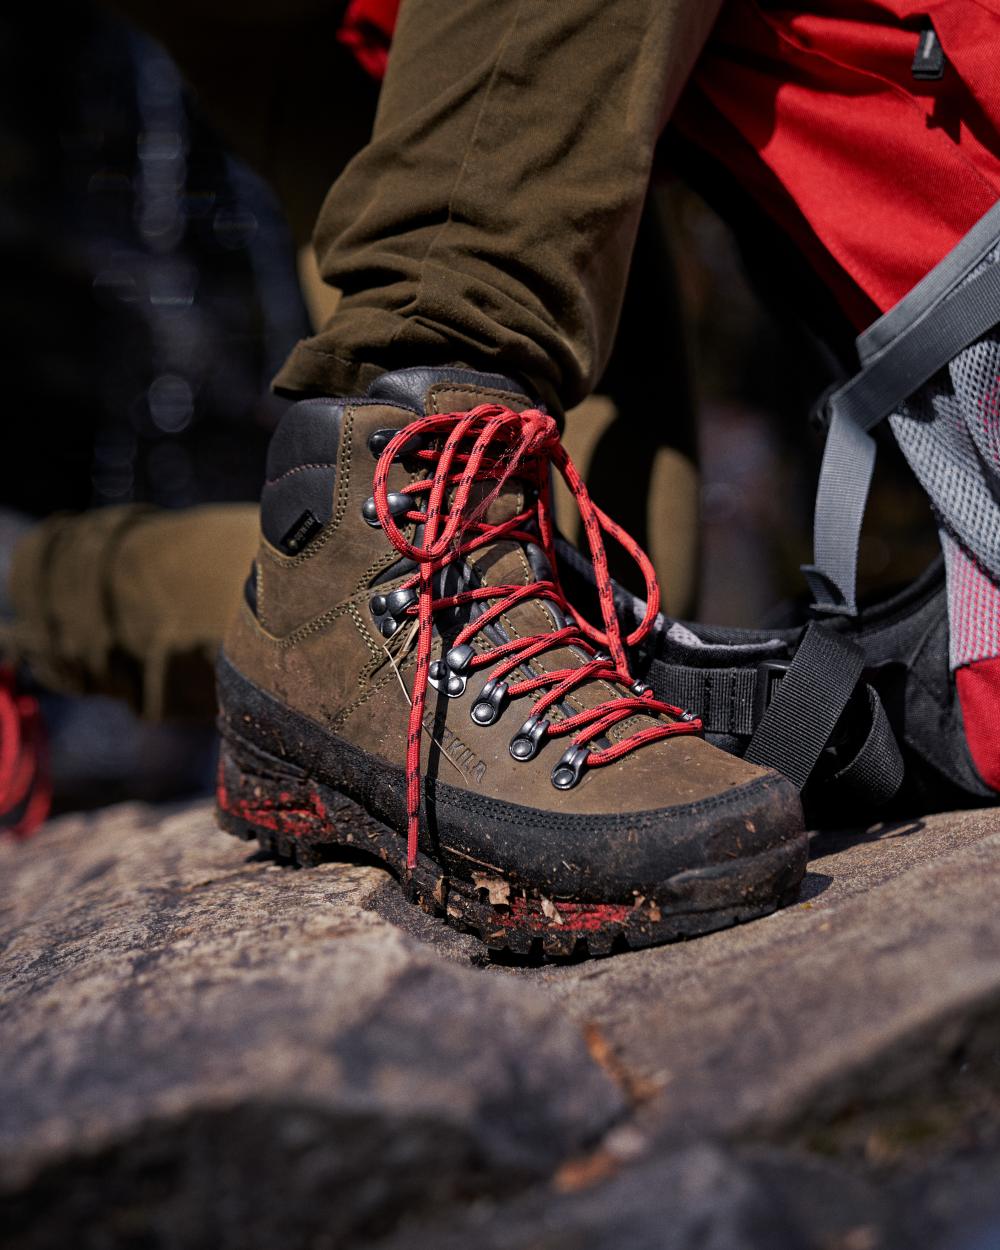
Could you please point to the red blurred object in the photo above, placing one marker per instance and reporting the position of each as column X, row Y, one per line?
column 25, row 784
column 367, row 30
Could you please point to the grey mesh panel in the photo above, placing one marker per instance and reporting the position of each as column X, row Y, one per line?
column 937, row 347
column 949, row 432
column 973, row 608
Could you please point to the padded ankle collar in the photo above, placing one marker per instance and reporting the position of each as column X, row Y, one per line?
column 409, row 387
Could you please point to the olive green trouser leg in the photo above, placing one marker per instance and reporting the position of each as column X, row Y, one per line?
column 491, row 219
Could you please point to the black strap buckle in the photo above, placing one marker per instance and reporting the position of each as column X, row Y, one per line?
column 770, row 674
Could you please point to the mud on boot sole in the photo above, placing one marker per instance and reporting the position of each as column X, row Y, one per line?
column 303, row 820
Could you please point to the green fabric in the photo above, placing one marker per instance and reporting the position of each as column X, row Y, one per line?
column 491, row 219
column 132, row 602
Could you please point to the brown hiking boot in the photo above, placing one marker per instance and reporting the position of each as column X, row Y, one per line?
column 407, row 678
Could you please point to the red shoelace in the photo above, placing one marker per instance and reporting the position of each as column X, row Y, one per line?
column 25, row 787
column 494, row 444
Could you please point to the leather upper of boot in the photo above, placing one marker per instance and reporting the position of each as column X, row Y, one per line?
column 310, row 636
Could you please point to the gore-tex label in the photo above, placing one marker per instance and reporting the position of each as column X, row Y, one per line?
column 301, row 534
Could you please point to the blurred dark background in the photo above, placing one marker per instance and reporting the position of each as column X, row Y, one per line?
column 149, row 293
column 149, row 286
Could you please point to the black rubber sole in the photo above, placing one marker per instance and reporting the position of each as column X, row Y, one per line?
column 303, row 820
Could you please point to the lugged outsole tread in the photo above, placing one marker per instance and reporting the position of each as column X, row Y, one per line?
column 309, row 827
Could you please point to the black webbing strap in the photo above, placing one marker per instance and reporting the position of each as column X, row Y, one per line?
column 722, row 698
column 893, row 374
column 807, row 704
column 875, row 773
column 795, row 720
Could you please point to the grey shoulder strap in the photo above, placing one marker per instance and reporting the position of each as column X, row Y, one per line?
column 942, row 315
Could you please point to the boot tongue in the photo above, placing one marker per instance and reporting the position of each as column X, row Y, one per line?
column 454, row 389
column 509, row 502
column 510, row 563
column 505, row 562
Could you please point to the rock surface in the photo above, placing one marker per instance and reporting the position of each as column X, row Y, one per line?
column 203, row 1048
column 188, row 1034
column 888, row 965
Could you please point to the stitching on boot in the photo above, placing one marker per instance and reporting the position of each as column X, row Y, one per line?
column 494, row 808
column 364, row 582
column 375, row 651
column 299, row 468
column 316, row 626
column 261, row 598
column 342, row 716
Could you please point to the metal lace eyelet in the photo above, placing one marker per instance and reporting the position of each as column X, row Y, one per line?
column 459, row 658
column 379, row 440
column 490, row 703
column 442, row 678
column 528, row 740
column 389, row 611
column 399, row 600
column 569, row 769
column 398, row 506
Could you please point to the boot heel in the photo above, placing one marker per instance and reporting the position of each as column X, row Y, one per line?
column 296, row 817
column 275, row 804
